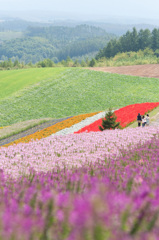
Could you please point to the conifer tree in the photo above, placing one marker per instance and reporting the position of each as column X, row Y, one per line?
column 109, row 122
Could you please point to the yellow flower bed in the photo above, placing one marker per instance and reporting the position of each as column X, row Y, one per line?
column 3, row 127
column 53, row 129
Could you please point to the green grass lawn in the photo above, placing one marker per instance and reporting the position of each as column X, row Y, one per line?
column 60, row 92
column 14, row 80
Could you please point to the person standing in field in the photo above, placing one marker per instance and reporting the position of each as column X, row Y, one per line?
column 139, row 120
column 143, row 121
column 147, row 120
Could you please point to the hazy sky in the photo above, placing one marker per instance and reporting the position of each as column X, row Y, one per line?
column 132, row 8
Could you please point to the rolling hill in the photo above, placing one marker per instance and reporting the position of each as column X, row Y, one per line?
column 55, row 42
column 61, row 92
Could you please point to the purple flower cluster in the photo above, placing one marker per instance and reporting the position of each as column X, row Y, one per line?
column 98, row 200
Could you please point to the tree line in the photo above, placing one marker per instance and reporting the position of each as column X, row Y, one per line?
column 131, row 41
column 146, row 56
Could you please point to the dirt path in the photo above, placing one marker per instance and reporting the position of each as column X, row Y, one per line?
column 154, row 121
column 30, row 131
column 147, row 70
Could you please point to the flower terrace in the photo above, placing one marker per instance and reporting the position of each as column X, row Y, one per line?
column 86, row 186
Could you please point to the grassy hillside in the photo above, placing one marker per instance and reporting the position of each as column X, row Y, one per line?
column 60, row 92
column 13, row 81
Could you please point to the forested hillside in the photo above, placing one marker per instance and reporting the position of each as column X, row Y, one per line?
column 132, row 41
column 56, row 43
column 31, row 42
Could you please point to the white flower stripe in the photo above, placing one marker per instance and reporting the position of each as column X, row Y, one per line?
column 78, row 126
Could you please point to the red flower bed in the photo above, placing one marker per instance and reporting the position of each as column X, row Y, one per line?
column 124, row 115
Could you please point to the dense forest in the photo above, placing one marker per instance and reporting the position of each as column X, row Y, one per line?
column 55, row 43
column 131, row 41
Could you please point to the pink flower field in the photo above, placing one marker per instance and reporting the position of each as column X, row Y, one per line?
column 72, row 150
column 101, row 185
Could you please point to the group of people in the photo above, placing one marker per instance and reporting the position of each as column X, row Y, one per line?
column 144, row 120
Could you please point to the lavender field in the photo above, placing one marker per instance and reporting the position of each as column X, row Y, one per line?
column 89, row 186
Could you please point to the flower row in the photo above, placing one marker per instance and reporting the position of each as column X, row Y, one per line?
column 125, row 116
column 89, row 122
column 53, row 129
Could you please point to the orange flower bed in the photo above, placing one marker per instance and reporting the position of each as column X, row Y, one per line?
column 53, row 129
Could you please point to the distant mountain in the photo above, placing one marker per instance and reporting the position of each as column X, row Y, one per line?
column 54, row 42
column 114, row 28
column 66, row 33
column 15, row 24
column 120, row 29
column 18, row 25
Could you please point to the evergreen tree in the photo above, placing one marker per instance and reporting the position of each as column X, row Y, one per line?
column 92, row 62
column 127, row 42
column 155, row 39
column 134, row 40
column 108, row 50
column 144, row 39
column 109, row 122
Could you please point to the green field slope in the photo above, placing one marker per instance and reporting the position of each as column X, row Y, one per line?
column 13, row 81
column 60, row 92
